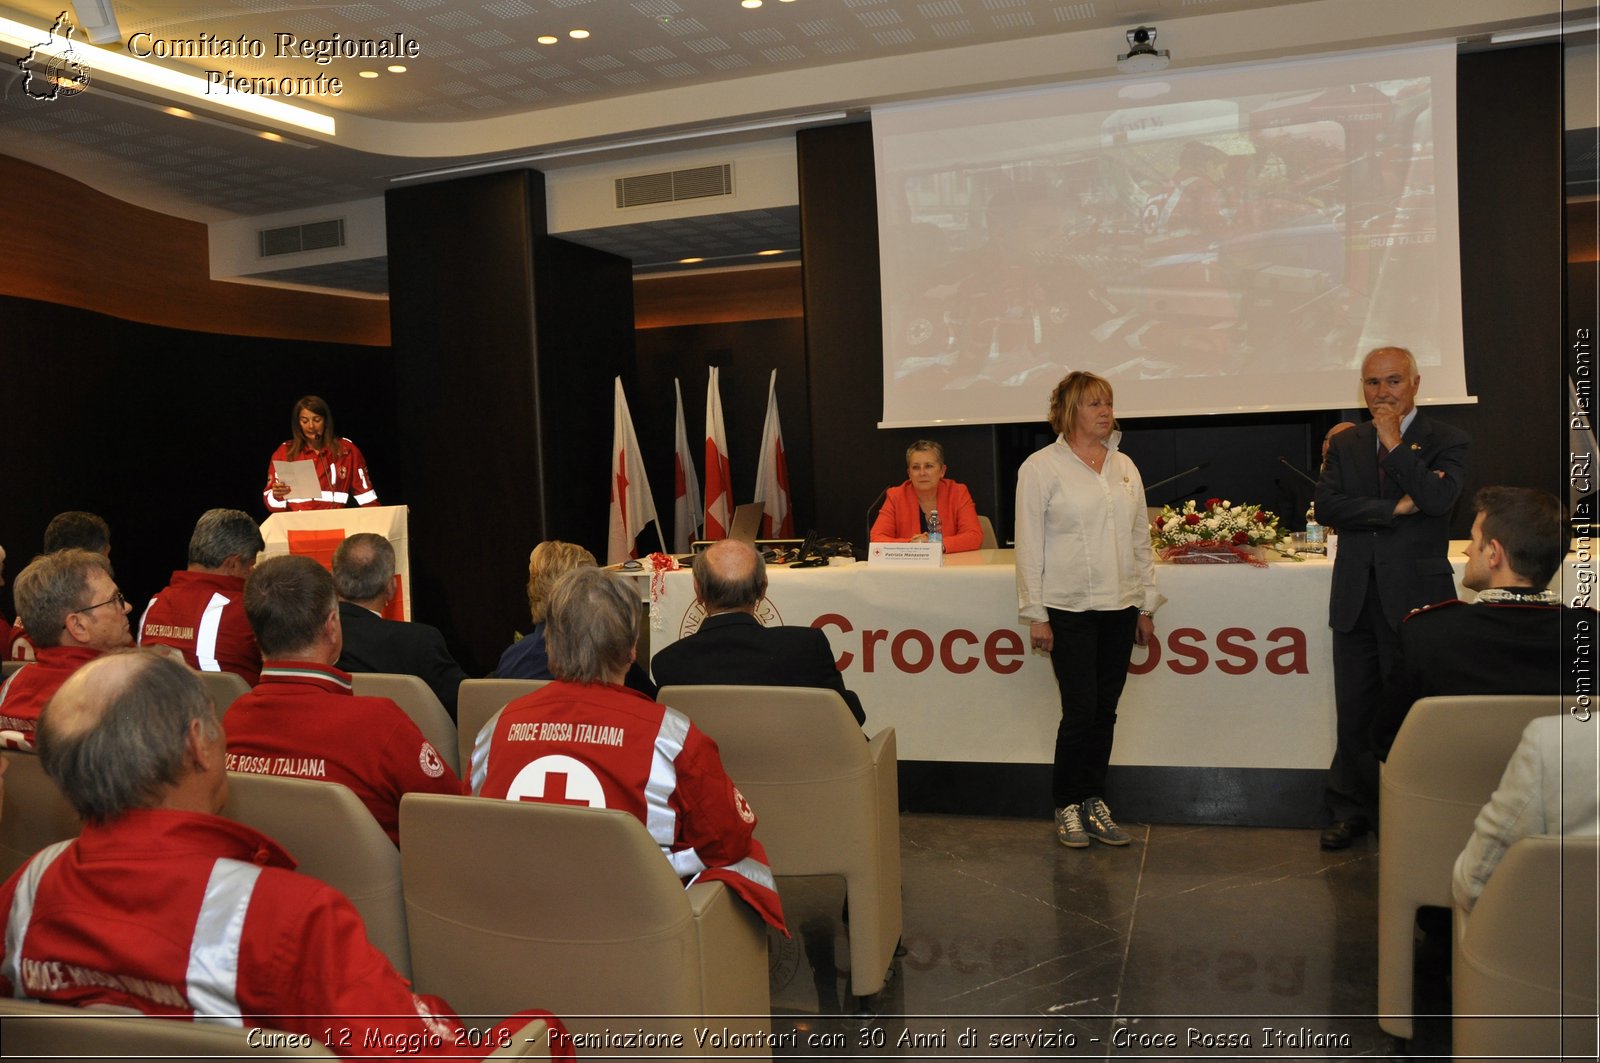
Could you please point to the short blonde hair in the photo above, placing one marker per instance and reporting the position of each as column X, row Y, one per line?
column 550, row 561
column 1073, row 391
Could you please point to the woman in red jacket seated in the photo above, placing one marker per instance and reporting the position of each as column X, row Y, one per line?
column 904, row 516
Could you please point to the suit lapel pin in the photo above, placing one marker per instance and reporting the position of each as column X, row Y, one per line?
column 1416, row 446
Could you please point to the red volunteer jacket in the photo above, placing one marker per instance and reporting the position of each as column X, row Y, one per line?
column 202, row 614
column 901, row 517
column 195, row 916
column 611, row 747
column 18, row 646
column 31, row 686
column 341, row 479
column 302, row 721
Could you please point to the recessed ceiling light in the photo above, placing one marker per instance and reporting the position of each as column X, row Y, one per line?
column 689, row 261
column 397, row 69
column 772, row 251
column 751, row 4
column 578, row 35
column 178, row 112
column 547, row 39
column 369, row 73
column 270, row 136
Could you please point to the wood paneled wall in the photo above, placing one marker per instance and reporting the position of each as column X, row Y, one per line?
column 150, row 267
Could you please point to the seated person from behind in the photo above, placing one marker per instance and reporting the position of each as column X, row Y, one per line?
column 71, row 604
column 301, row 720
column 201, row 612
column 163, row 906
column 73, row 529
column 904, row 516
column 363, row 575
column 1548, row 788
column 1513, row 638
column 586, row 739
column 527, row 658
column 732, row 647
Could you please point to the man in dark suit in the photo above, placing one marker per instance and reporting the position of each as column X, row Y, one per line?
column 1515, row 638
column 732, row 647
column 363, row 574
column 1389, row 486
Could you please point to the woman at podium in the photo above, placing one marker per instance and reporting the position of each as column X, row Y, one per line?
column 928, row 498
column 341, row 470
column 1086, row 587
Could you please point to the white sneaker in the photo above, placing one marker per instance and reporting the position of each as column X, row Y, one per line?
column 1069, row 827
column 1099, row 825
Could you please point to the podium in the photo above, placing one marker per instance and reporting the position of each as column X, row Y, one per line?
column 317, row 533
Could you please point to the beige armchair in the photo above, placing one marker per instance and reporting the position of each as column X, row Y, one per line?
column 334, row 839
column 1523, row 982
column 522, row 904
column 419, row 702
column 826, row 802
column 1445, row 763
column 224, row 688
column 479, row 700
column 37, row 813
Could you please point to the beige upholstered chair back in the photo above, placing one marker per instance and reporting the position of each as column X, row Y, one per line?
column 827, row 801
column 224, row 688
column 521, row 904
column 479, row 700
column 419, row 702
column 990, row 540
column 1445, row 763
column 36, row 813
column 1526, row 955
column 7, row 667
column 334, row 838
column 48, row 1031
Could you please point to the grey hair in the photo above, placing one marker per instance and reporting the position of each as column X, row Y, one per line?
column 1411, row 360
column 134, row 750
column 739, row 593
column 925, row 444
column 591, row 624
column 53, row 586
column 363, row 567
column 223, row 533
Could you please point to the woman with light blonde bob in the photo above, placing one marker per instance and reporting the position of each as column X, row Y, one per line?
column 1086, row 589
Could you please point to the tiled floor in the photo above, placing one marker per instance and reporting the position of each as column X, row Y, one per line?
column 1169, row 947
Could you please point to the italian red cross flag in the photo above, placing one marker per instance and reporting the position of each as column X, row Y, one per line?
column 687, row 504
column 772, row 474
column 631, row 505
column 719, row 474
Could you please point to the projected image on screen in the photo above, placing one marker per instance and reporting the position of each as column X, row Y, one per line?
column 1203, row 246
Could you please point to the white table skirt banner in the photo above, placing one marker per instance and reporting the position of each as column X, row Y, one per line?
column 1240, row 676
column 317, row 533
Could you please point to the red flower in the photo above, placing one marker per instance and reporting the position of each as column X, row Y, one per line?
column 1191, row 518
column 1213, row 503
column 1261, row 518
column 1240, row 538
column 1161, row 522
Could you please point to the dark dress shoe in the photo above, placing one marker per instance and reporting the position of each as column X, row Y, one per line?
column 1342, row 833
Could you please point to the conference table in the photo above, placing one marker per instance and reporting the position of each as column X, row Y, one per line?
column 1239, row 680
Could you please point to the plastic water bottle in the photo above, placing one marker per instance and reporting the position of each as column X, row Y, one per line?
column 1316, row 538
column 935, row 529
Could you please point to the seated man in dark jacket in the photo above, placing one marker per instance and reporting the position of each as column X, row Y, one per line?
column 732, row 647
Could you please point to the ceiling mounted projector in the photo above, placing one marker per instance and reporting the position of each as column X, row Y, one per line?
column 1142, row 57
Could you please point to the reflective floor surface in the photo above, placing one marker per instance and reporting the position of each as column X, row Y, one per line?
column 1192, row 942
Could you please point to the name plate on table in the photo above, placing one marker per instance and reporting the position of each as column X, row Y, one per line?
column 906, row 555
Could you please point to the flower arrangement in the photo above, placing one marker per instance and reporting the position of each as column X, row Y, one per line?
column 1221, row 531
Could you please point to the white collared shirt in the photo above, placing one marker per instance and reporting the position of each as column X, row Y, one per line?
column 1083, row 538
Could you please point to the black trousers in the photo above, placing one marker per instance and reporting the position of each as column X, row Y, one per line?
column 1090, row 657
column 1361, row 658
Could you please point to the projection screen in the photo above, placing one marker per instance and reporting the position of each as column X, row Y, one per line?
column 1228, row 240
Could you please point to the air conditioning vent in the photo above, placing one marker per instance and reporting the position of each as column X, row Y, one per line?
column 293, row 239
column 673, row 185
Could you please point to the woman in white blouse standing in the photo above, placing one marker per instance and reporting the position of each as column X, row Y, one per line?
column 1086, row 586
